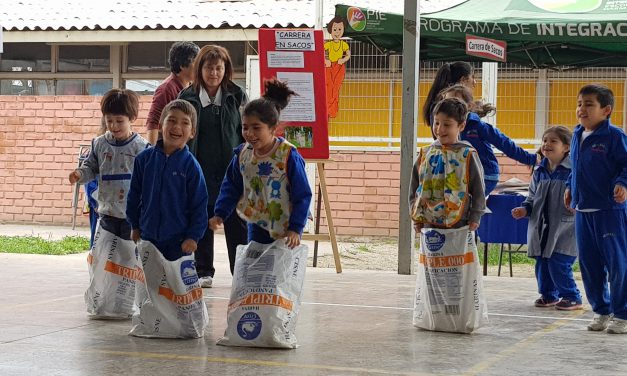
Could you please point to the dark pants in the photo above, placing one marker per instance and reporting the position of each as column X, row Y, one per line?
column 259, row 235
column 235, row 232
column 117, row 226
column 555, row 277
column 602, row 244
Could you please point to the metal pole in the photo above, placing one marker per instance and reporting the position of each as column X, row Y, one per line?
column 409, row 121
column 319, row 13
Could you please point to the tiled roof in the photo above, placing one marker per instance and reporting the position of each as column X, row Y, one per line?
column 174, row 14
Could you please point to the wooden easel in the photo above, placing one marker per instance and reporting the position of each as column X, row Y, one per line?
column 316, row 236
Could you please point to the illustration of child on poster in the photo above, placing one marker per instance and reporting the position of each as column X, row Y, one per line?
column 337, row 54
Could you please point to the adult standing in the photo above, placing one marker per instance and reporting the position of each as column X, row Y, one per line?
column 181, row 58
column 217, row 100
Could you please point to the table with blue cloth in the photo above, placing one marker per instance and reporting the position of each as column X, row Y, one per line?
column 500, row 227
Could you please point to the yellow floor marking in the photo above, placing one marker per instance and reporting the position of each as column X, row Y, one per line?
column 511, row 350
column 253, row 362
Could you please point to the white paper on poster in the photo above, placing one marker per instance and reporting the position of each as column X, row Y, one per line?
column 283, row 59
column 302, row 107
column 295, row 40
column 1, row 50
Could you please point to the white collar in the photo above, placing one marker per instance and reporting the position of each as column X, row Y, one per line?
column 206, row 101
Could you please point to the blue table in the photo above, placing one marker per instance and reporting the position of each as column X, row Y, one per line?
column 500, row 227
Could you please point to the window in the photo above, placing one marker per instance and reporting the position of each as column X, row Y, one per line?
column 84, row 59
column 26, row 87
column 143, row 87
column 148, row 56
column 25, row 57
column 83, row 87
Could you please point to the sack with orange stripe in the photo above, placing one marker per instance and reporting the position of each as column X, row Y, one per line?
column 170, row 300
column 113, row 273
column 265, row 295
column 449, row 289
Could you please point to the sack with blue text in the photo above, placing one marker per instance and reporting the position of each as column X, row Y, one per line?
column 114, row 271
column 265, row 295
column 449, row 289
column 170, row 300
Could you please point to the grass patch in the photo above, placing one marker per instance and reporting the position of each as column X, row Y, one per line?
column 517, row 258
column 36, row 245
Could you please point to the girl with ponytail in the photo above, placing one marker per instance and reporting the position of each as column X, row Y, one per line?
column 266, row 179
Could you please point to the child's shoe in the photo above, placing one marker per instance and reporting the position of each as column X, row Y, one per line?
column 617, row 326
column 541, row 302
column 599, row 322
column 206, row 281
column 568, row 305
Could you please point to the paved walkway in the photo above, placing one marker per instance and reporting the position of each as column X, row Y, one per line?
column 354, row 323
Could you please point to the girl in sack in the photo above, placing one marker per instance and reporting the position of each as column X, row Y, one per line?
column 447, row 200
column 266, row 179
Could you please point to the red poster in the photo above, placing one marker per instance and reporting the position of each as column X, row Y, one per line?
column 297, row 57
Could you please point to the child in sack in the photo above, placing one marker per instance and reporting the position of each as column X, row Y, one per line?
column 167, row 210
column 111, row 160
column 447, row 201
column 266, row 179
column 597, row 190
column 551, row 232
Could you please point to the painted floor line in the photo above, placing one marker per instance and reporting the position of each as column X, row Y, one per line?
column 411, row 309
column 251, row 362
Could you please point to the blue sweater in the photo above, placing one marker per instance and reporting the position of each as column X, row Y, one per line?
column 482, row 135
column 300, row 194
column 598, row 164
column 168, row 196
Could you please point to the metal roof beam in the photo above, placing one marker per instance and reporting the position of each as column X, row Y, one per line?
column 123, row 36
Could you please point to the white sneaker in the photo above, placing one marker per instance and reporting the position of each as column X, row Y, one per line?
column 205, row 281
column 617, row 326
column 599, row 322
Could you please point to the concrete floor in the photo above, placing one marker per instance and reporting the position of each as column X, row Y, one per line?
column 355, row 323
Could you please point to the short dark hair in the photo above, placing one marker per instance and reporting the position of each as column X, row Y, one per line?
column 181, row 55
column 452, row 107
column 181, row 105
column 120, row 102
column 211, row 53
column 334, row 20
column 604, row 94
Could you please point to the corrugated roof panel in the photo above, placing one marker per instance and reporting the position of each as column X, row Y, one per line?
column 177, row 14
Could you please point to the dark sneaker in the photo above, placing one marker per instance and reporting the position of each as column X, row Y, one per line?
column 541, row 302
column 568, row 305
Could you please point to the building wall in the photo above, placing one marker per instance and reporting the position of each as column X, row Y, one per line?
column 40, row 138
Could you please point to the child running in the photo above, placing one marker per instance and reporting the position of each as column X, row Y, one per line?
column 551, row 231
column 111, row 160
column 266, row 178
column 482, row 136
column 597, row 189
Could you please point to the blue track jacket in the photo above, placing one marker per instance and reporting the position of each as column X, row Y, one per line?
column 232, row 190
column 482, row 136
column 598, row 164
column 168, row 196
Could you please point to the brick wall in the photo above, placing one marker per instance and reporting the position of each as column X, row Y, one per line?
column 40, row 137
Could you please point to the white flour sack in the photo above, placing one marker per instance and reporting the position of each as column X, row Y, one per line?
column 113, row 273
column 170, row 301
column 265, row 296
column 449, row 288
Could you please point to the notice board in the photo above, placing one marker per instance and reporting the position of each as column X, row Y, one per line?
column 296, row 56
